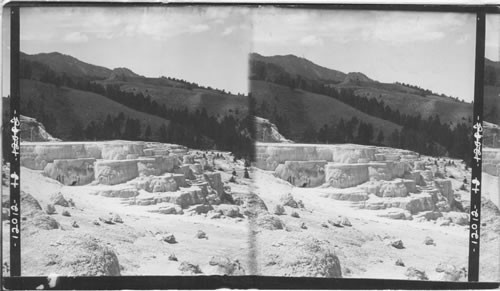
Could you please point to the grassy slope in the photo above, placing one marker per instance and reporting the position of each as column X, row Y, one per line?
column 214, row 102
column 68, row 105
column 304, row 108
column 447, row 109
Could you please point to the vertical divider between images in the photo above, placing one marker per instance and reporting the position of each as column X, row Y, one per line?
column 476, row 163
column 15, row 173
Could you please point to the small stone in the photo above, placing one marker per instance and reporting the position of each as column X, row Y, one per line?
column 400, row 263
column 300, row 204
column 71, row 202
column 58, row 199
column 288, row 200
column 50, row 209
column 279, row 209
column 172, row 257
column 65, row 213
column 429, row 241
column 324, row 225
column 336, row 222
column 345, row 221
column 107, row 220
column 166, row 237
column 75, row 225
column 117, row 219
column 416, row 274
column 186, row 267
column 201, row 234
column 303, row 225
column 294, row 214
column 95, row 222
column 398, row 244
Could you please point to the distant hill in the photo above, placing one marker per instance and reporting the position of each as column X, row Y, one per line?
column 311, row 103
column 76, row 100
column 406, row 99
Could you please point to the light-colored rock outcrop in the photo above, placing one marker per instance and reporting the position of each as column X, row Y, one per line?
column 71, row 171
column 302, row 173
column 345, row 175
column 114, row 172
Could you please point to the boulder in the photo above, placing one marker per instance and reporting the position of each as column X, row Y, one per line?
column 295, row 214
column 400, row 263
column 226, row 266
column 58, row 199
column 270, row 222
column 188, row 268
column 398, row 244
column 200, row 234
column 184, row 197
column 115, row 172
column 459, row 218
column 228, row 210
column 445, row 188
column 287, row 200
column 200, row 208
column 345, row 175
column 166, row 237
column 168, row 209
column 215, row 181
column 429, row 241
column 416, row 274
column 43, row 221
column 65, row 213
column 250, row 204
column 71, row 171
column 50, row 209
column 302, row 173
column 279, row 209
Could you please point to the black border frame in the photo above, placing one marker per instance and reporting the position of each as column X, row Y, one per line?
column 242, row 282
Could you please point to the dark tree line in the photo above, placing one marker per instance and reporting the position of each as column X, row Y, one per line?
column 193, row 129
column 427, row 136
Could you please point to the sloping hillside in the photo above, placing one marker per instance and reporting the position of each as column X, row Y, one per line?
column 304, row 109
column 69, row 107
column 410, row 100
column 175, row 95
column 301, row 67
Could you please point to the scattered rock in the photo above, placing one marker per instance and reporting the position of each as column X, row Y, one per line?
column 45, row 222
column 117, row 219
column 303, row 225
column 65, row 213
column 451, row 272
column 188, row 268
column 225, row 266
column 58, row 199
column 50, row 209
column 95, row 222
column 229, row 210
column 75, row 224
column 287, row 200
column 107, row 220
column 214, row 215
column 336, row 221
column 324, row 225
column 416, row 274
column 279, row 209
column 300, row 204
column 172, row 257
column 400, row 263
column 71, row 202
column 345, row 221
column 270, row 222
column 294, row 214
column 459, row 218
column 398, row 244
column 166, row 237
column 29, row 205
column 200, row 208
column 429, row 241
column 201, row 234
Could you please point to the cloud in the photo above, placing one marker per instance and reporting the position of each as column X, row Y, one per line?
column 228, row 30
column 76, row 37
column 275, row 26
column 311, row 40
column 199, row 28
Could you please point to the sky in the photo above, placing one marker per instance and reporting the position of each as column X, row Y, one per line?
column 433, row 50
column 207, row 45
column 492, row 43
